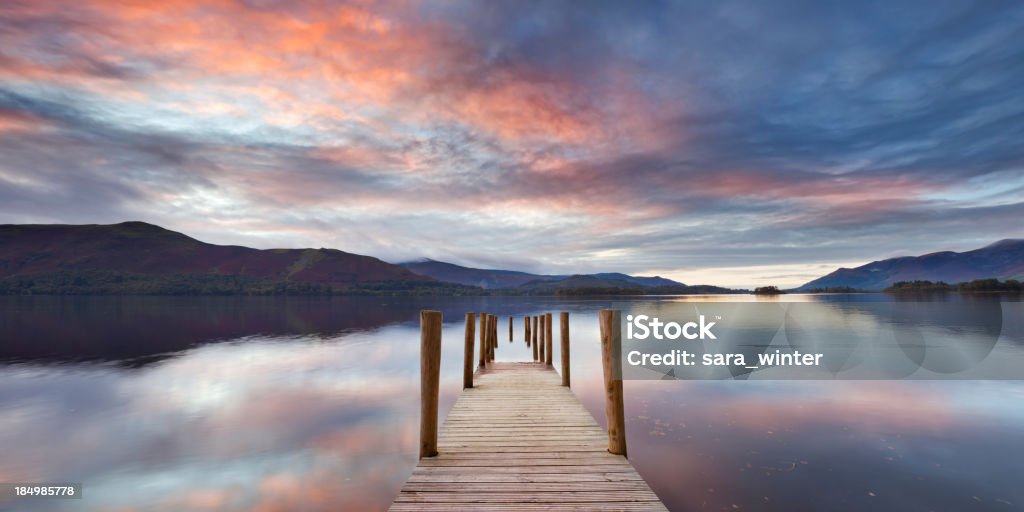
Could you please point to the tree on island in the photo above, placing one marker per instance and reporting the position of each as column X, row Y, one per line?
column 768, row 290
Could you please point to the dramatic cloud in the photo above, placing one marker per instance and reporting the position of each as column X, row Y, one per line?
column 684, row 138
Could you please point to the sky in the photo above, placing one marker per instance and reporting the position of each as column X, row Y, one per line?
column 737, row 143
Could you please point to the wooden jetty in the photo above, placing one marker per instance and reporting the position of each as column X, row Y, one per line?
column 518, row 438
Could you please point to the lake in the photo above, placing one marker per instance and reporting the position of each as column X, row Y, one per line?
column 311, row 404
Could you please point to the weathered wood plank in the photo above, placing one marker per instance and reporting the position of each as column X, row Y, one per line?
column 520, row 440
column 608, row 476
column 553, row 470
column 510, row 487
column 527, row 507
column 455, row 496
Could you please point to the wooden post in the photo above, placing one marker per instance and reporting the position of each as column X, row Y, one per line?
column 540, row 322
column 564, row 321
column 467, row 364
column 510, row 329
column 526, row 329
column 491, row 337
column 534, row 333
column 611, row 339
column 547, row 338
column 483, row 340
column 487, row 337
column 430, row 379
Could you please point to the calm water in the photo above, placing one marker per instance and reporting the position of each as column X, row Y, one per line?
column 271, row 404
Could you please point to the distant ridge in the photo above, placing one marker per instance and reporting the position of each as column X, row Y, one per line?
column 137, row 258
column 484, row 278
column 1000, row 260
column 640, row 280
column 502, row 279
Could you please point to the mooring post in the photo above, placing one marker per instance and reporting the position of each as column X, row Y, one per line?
column 491, row 338
column 564, row 321
column 547, row 336
column 430, row 376
column 542, row 342
column 483, row 340
column 467, row 362
column 611, row 340
column 533, row 332
column 487, row 337
column 510, row 334
column 526, row 329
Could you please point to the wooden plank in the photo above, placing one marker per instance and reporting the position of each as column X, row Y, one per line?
column 509, row 487
column 526, row 507
column 455, row 496
column 624, row 476
column 529, row 470
column 520, row 440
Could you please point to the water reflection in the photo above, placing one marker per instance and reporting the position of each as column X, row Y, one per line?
column 252, row 425
column 280, row 404
column 138, row 330
column 851, row 446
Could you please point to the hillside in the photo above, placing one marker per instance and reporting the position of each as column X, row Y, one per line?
column 594, row 285
column 646, row 282
column 136, row 257
column 1001, row 260
column 580, row 281
column 503, row 279
column 484, row 278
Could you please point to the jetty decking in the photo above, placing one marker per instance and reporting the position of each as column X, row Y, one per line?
column 519, row 439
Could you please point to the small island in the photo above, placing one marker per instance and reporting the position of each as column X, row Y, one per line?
column 835, row 289
column 768, row 290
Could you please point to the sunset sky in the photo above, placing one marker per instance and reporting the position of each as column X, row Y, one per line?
column 736, row 143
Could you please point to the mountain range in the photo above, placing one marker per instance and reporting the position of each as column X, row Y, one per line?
column 1001, row 260
column 502, row 279
column 141, row 258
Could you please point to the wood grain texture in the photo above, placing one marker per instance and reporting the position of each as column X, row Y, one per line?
column 611, row 339
column 490, row 337
column 467, row 363
column 564, row 324
column 520, row 440
column 543, row 339
column 430, row 375
column 534, row 336
column 547, row 338
column 483, row 340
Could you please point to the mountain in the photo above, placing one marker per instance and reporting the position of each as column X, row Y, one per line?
column 136, row 257
column 639, row 280
column 594, row 285
column 484, row 278
column 1003, row 260
column 499, row 279
column 580, row 281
